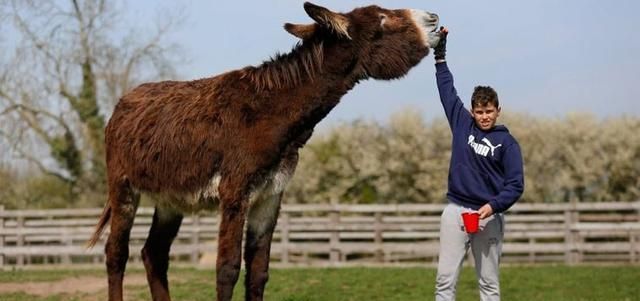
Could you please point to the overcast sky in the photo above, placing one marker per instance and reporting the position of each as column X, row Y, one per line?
column 544, row 57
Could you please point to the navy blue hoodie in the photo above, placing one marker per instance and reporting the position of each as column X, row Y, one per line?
column 486, row 166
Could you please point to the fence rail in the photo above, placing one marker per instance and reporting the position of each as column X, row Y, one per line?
column 334, row 235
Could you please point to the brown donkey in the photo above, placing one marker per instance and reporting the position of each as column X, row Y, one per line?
column 231, row 141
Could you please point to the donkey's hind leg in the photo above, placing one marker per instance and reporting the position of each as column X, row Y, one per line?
column 124, row 203
column 155, row 254
column 263, row 216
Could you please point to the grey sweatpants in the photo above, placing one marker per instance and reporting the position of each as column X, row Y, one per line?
column 486, row 246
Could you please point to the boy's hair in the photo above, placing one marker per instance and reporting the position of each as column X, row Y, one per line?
column 484, row 95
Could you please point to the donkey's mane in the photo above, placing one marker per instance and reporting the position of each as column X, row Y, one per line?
column 287, row 70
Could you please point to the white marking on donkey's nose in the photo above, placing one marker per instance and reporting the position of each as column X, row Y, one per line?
column 427, row 23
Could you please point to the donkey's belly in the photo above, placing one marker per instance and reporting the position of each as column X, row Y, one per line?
column 208, row 198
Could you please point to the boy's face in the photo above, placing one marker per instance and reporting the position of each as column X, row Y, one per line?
column 485, row 116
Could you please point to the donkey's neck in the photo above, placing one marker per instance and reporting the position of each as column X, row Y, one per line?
column 310, row 79
column 285, row 71
column 316, row 97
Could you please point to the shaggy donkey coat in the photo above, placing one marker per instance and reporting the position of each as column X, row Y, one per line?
column 231, row 141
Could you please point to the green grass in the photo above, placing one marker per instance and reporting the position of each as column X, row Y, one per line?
column 45, row 275
column 388, row 284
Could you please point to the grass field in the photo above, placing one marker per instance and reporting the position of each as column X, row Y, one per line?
column 388, row 284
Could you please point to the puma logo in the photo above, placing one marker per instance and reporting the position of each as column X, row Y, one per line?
column 482, row 149
column 493, row 148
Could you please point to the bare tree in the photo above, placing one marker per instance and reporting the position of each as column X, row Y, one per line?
column 71, row 62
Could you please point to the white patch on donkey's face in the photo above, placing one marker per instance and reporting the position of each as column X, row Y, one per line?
column 428, row 24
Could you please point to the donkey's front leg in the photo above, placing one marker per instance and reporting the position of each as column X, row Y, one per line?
column 263, row 216
column 233, row 212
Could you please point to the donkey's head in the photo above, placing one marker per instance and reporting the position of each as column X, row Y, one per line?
column 370, row 41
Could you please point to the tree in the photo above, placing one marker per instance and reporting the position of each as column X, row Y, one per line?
column 405, row 161
column 579, row 157
column 68, row 69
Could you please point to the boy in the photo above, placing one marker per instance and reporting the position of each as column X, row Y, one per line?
column 485, row 175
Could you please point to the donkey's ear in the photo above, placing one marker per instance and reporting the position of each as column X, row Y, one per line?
column 336, row 22
column 302, row 31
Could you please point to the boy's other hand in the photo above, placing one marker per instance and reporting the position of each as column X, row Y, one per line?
column 485, row 211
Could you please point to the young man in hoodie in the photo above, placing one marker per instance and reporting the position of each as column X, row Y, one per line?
column 485, row 175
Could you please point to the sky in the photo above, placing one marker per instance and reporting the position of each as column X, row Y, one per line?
column 545, row 58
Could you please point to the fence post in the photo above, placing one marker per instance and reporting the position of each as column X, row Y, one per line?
column 568, row 238
column 20, row 239
column 632, row 246
column 634, row 236
column 334, row 240
column 532, row 254
column 1, row 236
column 195, row 239
column 377, row 238
column 571, row 235
column 67, row 240
column 284, row 236
column 578, row 239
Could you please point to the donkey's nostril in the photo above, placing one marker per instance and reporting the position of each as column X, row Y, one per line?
column 432, row 17
column 430, row 20
column 427, row 22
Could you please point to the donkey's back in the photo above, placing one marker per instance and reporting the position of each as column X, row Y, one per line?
column 169, row 136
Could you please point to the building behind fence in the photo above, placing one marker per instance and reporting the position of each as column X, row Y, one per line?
column 340, row 235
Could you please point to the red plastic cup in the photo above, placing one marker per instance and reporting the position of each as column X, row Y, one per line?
column 471, row 221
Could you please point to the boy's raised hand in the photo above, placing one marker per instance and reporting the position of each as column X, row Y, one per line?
column 440, row 51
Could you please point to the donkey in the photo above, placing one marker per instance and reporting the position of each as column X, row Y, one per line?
column 231, row 141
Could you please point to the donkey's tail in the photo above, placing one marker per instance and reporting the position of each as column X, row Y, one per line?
column 104, row 219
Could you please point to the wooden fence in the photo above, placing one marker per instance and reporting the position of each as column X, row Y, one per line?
column 338, row 235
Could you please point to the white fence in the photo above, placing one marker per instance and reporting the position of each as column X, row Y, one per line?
column 336, row 235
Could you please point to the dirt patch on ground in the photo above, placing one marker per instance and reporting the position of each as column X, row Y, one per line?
column 72, row 286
